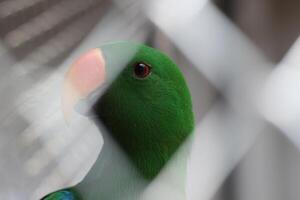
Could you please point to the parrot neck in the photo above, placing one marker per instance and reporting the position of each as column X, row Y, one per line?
column 113, row 176
column 111, row 169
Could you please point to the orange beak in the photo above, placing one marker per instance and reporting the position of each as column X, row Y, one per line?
column 84, row 76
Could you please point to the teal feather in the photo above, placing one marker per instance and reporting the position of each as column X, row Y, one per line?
column 61, row 195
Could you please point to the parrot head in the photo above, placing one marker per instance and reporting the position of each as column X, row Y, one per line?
column 146, row 105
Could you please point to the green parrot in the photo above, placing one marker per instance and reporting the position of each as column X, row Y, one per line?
column 145, row 111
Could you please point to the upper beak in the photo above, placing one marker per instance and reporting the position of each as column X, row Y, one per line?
column 91, row 74
column 84, row 76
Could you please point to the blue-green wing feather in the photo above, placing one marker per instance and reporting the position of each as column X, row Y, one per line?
column 61, row 195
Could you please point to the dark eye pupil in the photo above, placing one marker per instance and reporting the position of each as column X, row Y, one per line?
column 142, row 70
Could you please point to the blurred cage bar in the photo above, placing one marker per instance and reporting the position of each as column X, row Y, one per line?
column 240, row 61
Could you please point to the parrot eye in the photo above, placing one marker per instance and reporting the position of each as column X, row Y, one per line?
column 142, row 70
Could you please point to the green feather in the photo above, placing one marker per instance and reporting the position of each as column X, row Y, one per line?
column 151, row 117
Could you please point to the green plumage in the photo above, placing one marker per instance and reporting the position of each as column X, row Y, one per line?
column 150, row 117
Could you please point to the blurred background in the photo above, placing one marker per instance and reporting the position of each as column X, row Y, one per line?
column 240, row 59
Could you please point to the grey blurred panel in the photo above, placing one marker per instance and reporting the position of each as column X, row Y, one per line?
column 281, row 97
column 272, row 25
column 270, row 170
column 221, row 141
